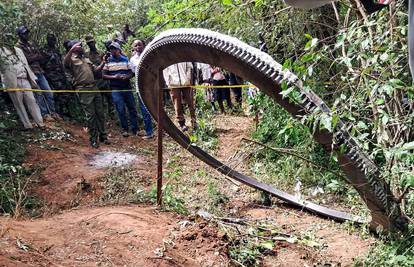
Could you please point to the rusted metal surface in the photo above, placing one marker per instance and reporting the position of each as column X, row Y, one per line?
column 199, row 45
column 159, row 137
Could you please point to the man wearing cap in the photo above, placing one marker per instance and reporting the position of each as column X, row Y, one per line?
column 83, row 70
column 117, row 70
column 34, row 57
column 55, row 75
column 95, row 56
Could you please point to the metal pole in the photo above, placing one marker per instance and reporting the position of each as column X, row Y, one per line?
column 159, row 138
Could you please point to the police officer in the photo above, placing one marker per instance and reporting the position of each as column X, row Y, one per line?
column 96, row 57
column 55, row 74
column 83, row 70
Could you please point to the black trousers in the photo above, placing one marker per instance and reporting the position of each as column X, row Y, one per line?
column 222, row 94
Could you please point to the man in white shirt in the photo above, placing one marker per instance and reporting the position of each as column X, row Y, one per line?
column 178, row 78
column 138, row 47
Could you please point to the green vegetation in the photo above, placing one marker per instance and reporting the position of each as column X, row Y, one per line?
column 392, row 253
column 170, row 201
column 14, row 178
column 125, row 186
column 357, row 64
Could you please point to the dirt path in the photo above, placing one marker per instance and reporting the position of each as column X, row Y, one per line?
column 109, row 236
column 84, row 235
column 75, row 232
column 324, row 243
column 231, row 130
column 68, row 177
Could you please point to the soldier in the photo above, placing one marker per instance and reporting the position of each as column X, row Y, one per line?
column 34, row 57
column 96, row 57
column 83, row 70
column 55, row 74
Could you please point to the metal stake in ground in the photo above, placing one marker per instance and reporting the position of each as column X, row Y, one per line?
column 159, row 138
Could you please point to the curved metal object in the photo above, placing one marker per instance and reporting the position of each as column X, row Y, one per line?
column 200, row 45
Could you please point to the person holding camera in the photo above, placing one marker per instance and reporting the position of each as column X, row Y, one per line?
column 83, row 72
column 118, row 71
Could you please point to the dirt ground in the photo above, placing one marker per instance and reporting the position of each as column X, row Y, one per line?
column 338, row 247
column 108, row 236
column 75, row 230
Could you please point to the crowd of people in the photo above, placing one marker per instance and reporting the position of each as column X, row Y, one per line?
column 26, row 66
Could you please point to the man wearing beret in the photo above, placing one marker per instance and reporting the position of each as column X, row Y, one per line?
column 83, row 73
column 95, row 56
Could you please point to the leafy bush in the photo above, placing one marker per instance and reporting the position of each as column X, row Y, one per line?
column 14, row 179
column 170, row 201
column 392, row 253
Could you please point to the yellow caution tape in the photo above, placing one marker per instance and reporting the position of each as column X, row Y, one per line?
column 61, row 91
column 129, row 90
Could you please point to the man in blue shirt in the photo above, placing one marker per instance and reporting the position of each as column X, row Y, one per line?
column 118, row 72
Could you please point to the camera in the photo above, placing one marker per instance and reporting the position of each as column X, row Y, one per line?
column 107, row 55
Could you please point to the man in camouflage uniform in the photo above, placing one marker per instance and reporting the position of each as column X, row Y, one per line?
column 83, row 73
column 95, row 56
column 55, row 74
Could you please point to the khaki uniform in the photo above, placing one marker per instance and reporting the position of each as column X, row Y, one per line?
column 96, row 58
column 82, row 70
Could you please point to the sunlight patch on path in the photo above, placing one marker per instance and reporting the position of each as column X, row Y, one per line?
column 107, row 159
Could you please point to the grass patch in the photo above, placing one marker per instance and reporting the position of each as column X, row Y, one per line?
column 124, row 185
column 14, row 178
column 391, row 253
